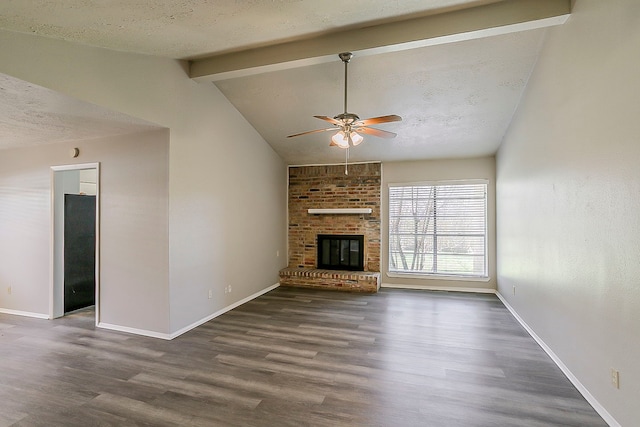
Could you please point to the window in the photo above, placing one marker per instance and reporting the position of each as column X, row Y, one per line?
column 438, row 229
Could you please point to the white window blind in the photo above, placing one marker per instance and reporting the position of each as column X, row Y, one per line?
column 438, row 229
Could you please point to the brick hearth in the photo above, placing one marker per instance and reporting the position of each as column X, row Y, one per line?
column 356, row 281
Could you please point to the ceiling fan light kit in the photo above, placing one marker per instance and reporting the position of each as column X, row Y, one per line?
column 341, row 139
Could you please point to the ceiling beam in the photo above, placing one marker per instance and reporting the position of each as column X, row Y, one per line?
column 503, row 17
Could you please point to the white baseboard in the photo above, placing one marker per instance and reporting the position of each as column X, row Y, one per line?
column 24, row 313
column 438, row 288
column 608, row 418
column 135, row 331
column 222, row 311
column 173, row 335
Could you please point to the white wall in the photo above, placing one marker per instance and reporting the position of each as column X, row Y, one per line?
column 440, row 170
column 568, row 201
column 134, row 278
column 227, row 187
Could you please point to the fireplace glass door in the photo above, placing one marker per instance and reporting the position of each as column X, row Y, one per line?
column 341, row 252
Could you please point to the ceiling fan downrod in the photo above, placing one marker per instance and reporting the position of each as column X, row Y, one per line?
column 345, row 57
column 346, row 118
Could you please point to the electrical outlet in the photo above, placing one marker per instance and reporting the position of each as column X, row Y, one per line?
column 514, row 290
column 9, row 290
column 615, row 378
column 229, row 288
column 277, row 253
column 210, row 294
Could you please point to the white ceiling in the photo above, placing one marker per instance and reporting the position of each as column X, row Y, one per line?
column 456, row 98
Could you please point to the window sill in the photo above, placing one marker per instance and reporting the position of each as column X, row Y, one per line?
column 437, row 277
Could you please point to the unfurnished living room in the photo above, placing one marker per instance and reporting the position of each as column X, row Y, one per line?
column 319, row 213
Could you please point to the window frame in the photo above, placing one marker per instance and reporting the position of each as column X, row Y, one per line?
column 440, row 276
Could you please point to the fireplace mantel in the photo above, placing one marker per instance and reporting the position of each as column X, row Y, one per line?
column 338, row 211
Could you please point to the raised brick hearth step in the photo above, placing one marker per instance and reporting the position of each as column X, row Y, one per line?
column 355, row 281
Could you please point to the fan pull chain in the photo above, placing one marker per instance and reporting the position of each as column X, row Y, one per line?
column 346, row 161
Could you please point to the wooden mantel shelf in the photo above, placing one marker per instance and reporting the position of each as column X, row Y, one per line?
column 339, row 211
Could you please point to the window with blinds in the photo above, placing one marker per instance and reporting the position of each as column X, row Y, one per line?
column 438, row 229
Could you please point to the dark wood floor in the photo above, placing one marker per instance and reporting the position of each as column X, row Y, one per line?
column 293, row 358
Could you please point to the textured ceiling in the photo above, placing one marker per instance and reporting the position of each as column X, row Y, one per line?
column 456, row 98
column 33, row 115
column 191, row 28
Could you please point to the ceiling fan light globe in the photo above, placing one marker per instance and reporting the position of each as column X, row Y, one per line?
column 356, row 138
column 340, row 139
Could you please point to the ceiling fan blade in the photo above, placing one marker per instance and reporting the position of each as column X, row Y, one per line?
column 330, row 120
column 375, row 132
column 310, row 132
column 377, row 120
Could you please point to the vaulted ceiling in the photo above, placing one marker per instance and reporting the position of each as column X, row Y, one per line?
column 453, row 69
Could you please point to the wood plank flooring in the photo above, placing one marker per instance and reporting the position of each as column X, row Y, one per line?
column 293, row 358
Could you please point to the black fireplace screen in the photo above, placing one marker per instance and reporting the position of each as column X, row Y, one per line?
column 341, row 252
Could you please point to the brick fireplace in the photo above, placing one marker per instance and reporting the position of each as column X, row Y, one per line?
column 327, row 187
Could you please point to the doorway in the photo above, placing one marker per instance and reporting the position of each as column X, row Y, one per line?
column 75, row 239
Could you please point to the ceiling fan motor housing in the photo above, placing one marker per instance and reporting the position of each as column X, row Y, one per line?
column 347, row 118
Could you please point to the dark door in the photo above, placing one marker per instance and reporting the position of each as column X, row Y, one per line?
column 79, row 251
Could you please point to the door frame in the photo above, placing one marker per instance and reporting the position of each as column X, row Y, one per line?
column 56, row 289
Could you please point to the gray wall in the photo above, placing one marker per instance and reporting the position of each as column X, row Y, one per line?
column 440, row 170
column 568, row 201
column 134, row 274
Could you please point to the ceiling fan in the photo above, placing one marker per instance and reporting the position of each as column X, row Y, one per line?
column 349, row 125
